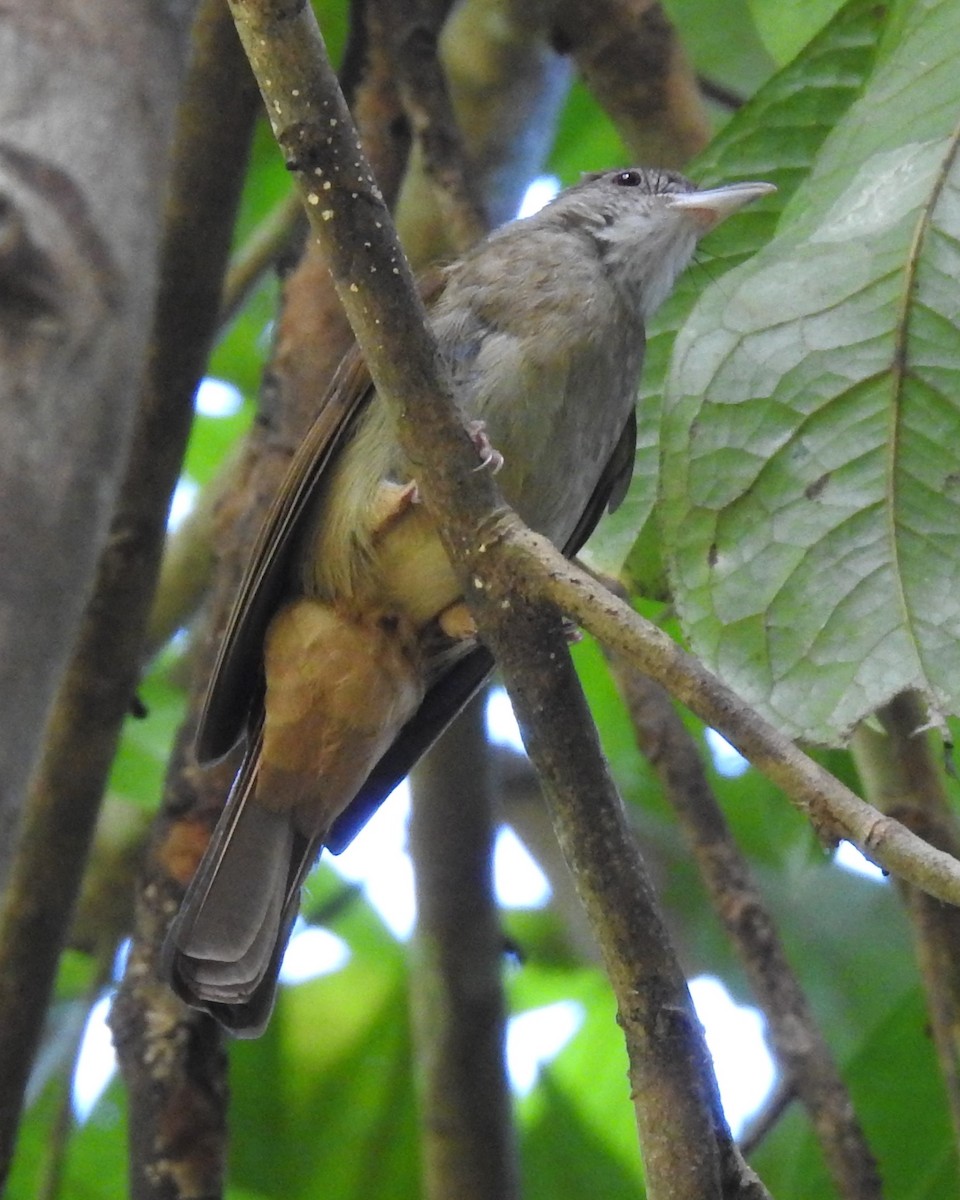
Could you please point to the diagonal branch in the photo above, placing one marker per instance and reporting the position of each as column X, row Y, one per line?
column 835, row 811
column 686, row 1146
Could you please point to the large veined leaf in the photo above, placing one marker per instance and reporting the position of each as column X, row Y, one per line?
column 811, row 467
column 776, row 137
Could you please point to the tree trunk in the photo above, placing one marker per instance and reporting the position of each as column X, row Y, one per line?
column 87, row 92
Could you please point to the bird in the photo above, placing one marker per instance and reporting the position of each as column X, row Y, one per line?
column 349, row 647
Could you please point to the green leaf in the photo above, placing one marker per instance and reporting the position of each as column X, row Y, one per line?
column 811, row 482
column 95, row 1159
column 787, row 25
column 776, row 137
column 738, row 59
column 899, row 1097
column 564, row 1156
column 141, row 762
column 324, row 1102
column 586, row 1088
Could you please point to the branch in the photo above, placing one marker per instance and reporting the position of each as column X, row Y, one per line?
column 685, row 1144
column 769, row 1116
column 719, row 93
column 683, row 1136
column 459, row 1011
column 899, row 772
column 834, row 810
column 413, row 30
column 631, row 58
column 266, row 246
column 96, row 691
column 507, row 85
column 187, row 565
column 801, row 1050
column 173, row 1057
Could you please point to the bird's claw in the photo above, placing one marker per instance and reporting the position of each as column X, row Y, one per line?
column 572, row 635
column 490, row 456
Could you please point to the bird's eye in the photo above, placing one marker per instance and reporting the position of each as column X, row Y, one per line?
column 629, row 178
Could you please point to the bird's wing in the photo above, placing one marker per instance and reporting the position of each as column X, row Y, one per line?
column 238, row 672
column 236, row 683
column 611, row 487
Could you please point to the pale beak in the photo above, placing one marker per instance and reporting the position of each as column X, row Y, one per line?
column 710, row 207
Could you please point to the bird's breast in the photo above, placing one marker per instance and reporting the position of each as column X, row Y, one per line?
column 556, row 419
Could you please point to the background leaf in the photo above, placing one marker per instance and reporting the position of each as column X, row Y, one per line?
column 908, row 1126
column 787, row 25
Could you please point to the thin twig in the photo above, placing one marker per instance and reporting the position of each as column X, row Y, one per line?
column 900, row 773
column 719, row 93
column 414, row 28
column 459, row 1010
column 768, row 1117
column 800, row 1048
column 836, row 812
column 266, row 246
column 188, row 563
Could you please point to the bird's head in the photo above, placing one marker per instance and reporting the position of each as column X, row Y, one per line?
column 646, row 224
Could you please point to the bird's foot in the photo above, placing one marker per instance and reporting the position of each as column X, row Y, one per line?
column 489, row 455
column 456, row 622
column 392, row 501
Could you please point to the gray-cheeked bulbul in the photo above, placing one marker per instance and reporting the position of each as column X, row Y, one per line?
column 349, row 649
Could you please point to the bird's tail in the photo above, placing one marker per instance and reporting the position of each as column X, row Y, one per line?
column 224, row 948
